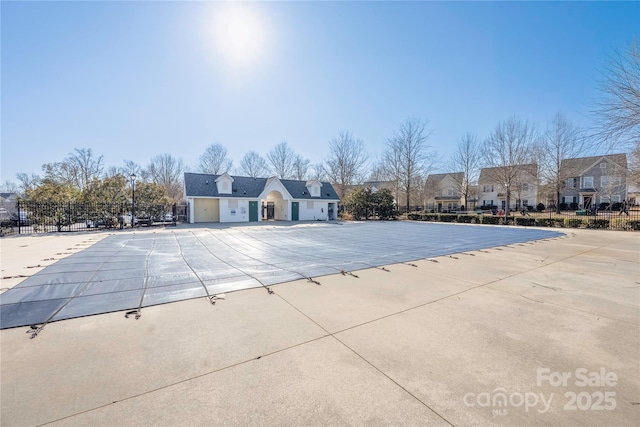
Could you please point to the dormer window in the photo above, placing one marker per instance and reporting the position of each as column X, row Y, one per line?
column 313, row 186
column 224, row 183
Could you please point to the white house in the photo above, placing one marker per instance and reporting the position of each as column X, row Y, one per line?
column 522, row 192
column 226, row 198
column 442, row 191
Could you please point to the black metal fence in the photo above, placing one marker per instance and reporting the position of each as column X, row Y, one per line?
column 35, row 217
column 607, row 219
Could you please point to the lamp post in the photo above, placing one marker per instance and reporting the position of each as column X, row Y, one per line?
column 133, row 199
column 506, row 209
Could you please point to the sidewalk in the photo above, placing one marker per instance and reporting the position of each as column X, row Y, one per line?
column 423, row 345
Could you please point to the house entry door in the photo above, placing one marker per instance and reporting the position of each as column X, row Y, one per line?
column 253, row 211
column 295, row 211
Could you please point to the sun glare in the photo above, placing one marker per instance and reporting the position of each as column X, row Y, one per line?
column 240, row 33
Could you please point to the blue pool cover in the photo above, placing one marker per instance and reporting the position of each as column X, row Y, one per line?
column 130, row 270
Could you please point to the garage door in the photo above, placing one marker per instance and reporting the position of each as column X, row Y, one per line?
column 206, row 210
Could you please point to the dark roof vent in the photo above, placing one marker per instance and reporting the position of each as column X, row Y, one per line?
column 244, row 192
column 304, row 192
column 235, row 190
column 207, row 182
column 329, row 194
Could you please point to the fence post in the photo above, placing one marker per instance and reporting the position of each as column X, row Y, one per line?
column 18, row 206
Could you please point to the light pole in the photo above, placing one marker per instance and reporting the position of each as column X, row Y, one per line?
column 506, row 210
column 133, row 199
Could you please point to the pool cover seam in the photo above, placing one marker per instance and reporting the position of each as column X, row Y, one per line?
column 37, row 330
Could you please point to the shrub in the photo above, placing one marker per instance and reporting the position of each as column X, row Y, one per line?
column 466, row 219
column 573, row 206
column 491, row 219
column 448, row 217
column 544, row 222
column 525, row 221
column 598, row 223
column 625, row 224
column 563, row 206
column 540, row 207
column 573, row 222
column 416, row 217
column 430, row 217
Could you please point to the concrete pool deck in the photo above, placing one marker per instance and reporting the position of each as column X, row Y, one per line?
column 439, row 342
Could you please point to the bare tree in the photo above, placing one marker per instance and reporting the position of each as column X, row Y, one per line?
column 27, row 182
column 167, row 171
column 467, row 159
column 618, row 113
column 506, row 151
column 281, row 159
column 130, row 167
column 561, row 140
column 319, row 172
column 378, row 171
column 407, row 157
column 85, row 166
column 253, row 165
column 300, row 167
column 346, row 162
column 214, row 160
column 79, row 169
column 9, row 187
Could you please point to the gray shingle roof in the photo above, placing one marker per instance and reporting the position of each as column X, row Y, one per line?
column 298, row 190
column 579, row 165
column 435, row 178
column 204, row 185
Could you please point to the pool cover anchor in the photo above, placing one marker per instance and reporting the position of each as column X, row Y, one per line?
column 34, row 330
column 310, row 280
column 344, row 273
column 137, row 312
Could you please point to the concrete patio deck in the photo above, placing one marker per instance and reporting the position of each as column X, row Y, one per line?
column 438, row 343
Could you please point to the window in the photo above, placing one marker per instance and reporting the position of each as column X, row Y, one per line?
column 571, row 183
column 310, row 206
column 451, row 192
column 587, row 182
column 603, row 165
column 233, row 204
column 487, row 188
column 225, row 186
column 439, row 194
column 615, row 198
column 525, row 202
column 525, row 187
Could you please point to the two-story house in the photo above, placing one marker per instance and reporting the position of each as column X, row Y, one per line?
column 522, row 181
column 442, row 191
column 595, row 179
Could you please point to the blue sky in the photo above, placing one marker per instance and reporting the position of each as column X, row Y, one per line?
column 131, row 80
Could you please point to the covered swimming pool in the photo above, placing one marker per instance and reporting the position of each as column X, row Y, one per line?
column 131, row 270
